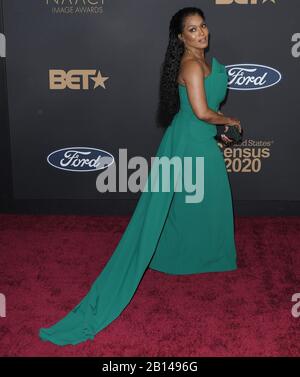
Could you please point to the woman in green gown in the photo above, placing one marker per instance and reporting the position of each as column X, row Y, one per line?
column 165, row 233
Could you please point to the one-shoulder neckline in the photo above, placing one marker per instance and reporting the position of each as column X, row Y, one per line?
column 206, row 77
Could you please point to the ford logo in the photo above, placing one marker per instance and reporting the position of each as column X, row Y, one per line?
column 80, row 159
column 251, row 76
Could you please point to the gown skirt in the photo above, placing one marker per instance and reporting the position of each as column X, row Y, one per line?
column 165, row 233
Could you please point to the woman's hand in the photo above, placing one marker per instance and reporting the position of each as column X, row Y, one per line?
column 224, row 138
column 234, row 122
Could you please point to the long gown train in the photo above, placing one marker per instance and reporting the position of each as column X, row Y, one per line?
column 164, row 233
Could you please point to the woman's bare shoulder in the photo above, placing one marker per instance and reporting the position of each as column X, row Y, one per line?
column 190, row 67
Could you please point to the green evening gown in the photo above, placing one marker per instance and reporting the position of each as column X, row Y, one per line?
column 165, row 233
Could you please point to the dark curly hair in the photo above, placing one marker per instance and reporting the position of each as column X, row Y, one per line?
column 168, row 90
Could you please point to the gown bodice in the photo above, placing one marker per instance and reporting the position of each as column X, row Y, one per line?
column 215, row 89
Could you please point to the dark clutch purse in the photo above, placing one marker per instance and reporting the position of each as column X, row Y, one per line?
column 233, row 134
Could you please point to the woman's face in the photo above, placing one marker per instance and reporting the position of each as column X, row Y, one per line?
column 195, row 32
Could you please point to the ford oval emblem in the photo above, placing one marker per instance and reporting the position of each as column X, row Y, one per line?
column 80, row 159
column 251, row 76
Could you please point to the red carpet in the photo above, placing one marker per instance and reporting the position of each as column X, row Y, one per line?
column 48, row 264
